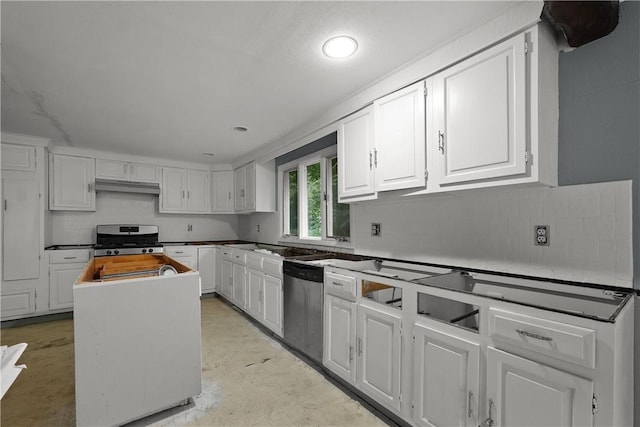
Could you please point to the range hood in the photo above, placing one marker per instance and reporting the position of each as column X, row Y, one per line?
column 127, row 186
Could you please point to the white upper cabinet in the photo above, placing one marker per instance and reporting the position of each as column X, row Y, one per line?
column 495, row 117
column 355, row 151
column 222, row 192
column 184, row 191
column 18, row 157
column 481, row 114
column 255, row 187
column 126, row 171
column 71, row 183
column 399, row 148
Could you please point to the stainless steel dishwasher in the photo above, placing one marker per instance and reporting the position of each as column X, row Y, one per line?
column 303, row 307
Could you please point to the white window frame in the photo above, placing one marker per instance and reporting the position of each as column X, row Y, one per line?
column 322, row 157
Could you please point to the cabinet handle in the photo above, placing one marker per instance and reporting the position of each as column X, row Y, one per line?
column 441, row 142
column 489, row 421
column 188, row 194
column 183, row 194
column 370, row 160
column 178, row 252
column 359, row 346
column 5, row 204
column 470, row 410
column 337, row 283
column 89, row 188
column 375, row 157
column 242, row 193
column 533, row 335
column 70, row 257
column 350, row 353
column 229, row 195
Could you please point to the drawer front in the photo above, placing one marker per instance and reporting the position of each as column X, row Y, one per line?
column 226, row 253
column 560, row 340
column 70, row 256
column 339, row 285
column 254, row 260
column 179, row 251
column 239, row 256
column 272, row 267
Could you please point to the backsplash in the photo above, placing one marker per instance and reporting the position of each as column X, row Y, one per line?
column 124, row 208
column 493, row 229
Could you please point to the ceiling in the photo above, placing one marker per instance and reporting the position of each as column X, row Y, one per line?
column 172, row 79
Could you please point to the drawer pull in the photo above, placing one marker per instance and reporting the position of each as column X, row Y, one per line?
column 533, row 335
column 70, row 257
column 179, row 252
column 336, row 284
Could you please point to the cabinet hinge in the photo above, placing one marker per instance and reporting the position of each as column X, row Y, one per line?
column 594, row 404
column 526, row 47
column 526, row 157
column 426, row 174
column 426, row 91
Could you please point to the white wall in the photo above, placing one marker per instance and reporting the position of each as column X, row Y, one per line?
column 492, row 229
column 125, row 208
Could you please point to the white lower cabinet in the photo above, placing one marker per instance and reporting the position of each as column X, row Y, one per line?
column 226, row 279
column 207, row 268
column 340, row 337
column 446, row 376
column 186, row 255
column 522, row 392
column 239, row 276
column 272, row 300
column 64, row 268
column 379, row 355
column 255, row 291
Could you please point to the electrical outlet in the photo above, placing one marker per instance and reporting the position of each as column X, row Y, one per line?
column 541, row 235
column 189, row 227
column 376, row 229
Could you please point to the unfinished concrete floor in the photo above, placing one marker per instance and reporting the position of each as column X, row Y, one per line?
column 248, row 379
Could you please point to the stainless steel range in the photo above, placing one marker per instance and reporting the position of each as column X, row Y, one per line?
column 126, row 239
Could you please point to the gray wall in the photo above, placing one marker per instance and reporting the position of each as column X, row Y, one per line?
column 599, row 135
column 599, row 132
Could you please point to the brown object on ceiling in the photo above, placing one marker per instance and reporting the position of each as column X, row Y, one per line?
column 582, row 22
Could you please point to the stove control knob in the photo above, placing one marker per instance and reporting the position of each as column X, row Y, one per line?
column 116, row 252
column 109, row 252
column 144, row 251
column 150, row 250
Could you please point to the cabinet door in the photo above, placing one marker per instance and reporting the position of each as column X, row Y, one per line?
column 521, row 392
column 272, row 306
column 446, row 379
column 226, row 278
column 72, row 183
column 112, row 169
column 379, row 348
column 400, row 140
column 250, row 187
column 240, row 180
column 18, row 157
column 239, row 283
column 255, row 285
column 61, row 280
column 173, row 197
column 340, row 337
column 222, row 191
column 207, row 268
column 140, row 172
column 480, row 115
column 20, row 226
column 198, row 191
column 355, row 153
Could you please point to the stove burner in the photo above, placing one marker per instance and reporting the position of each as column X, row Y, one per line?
column 126, row 240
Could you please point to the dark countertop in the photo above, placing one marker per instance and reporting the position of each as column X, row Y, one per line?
column 68, row 247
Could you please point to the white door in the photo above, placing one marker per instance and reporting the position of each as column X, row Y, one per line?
column 522, row 393
column 446, row 379
column 480, row 115
column 226, row 287
column 239, row 283
column 240, row 182
column 255, row 291
column 112, row 169
column 198, row 191
column 355, row 153
column 72, row 183
column 250, row 187
column 272, row 307
column 61, row 280
column 379, row 350
column 20, row 226
column 173, row 197
column 400, row 139
column 207, row 268
column 222, row 191
column 140, row 172
column 340, row 337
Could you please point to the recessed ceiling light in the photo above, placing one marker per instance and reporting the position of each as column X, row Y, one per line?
column 340, row 47
column 240, row 129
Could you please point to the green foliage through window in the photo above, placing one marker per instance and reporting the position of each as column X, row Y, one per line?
column 314, row 200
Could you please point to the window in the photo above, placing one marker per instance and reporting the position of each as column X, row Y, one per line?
column 310, row 208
